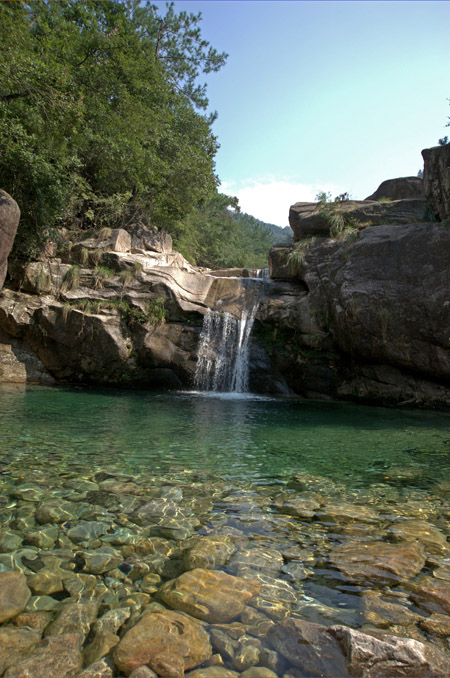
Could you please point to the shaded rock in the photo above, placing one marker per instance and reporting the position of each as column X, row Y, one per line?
column 55, row 511
column 209, row 595
column 74, row 617
column 101, row 669
column 100, row 646
column 112, row 620
column 171, row 634
column 14, row 594
column 56, row 657
column 14, row 643
column 436, row 179
column 401, row 188
column 143, row 672
column 33, row 620
column 431, row 594
column 308, row 647
column 378, row 561
column 371, row 657
column 9, row 220
column 427, row 534
column 382, row 612
column 279, row 268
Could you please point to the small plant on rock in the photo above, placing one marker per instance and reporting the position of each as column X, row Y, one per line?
column 297, row 255
column 71, row 279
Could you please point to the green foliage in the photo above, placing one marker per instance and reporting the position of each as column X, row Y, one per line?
column 296, row 256
column 444, row 141
column 340, row 225
column 154, row 314
column 100, row 274
column 98, row 115
column 218, row 235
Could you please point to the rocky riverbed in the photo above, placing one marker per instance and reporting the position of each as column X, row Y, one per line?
column 104, row 573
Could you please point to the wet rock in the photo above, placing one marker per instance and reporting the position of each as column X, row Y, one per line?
column 246, row 563
column 427, row 534
column 258, row 672
column 297, row 506
column 101, row 645
column 45, row 582
column 101, row 669
column 303, row 482
column 296, row 571
column 112, row 620
column 246, row 655
column 223, row 643
column 308, row 647
column 73, row 617
column 41, row 604
column 378, row 561
column 56, row 657
column 150, row 583
column 33, row 620
column 403, row 475
column 87, row 531
column 340, row 513
column 209, row 594
column 143, row 672
column 257, row 623
column 431, row 594
column 97, row 562
column 44, row 538
column 436, row 625
column 14, row 643
column 371, row 657
column 275, row 598
column 55, row 511
column 213, row 672
column 14, row 595
column 173, row 634
column 208, row 552
column 381, row 612
column 9, row 541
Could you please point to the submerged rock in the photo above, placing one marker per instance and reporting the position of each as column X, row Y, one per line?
column 168, row 639
column 210, row 595
column 56, row 657
column 14, row 594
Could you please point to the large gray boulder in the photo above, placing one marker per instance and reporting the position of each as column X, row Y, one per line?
column 436, row 179
column 310, row 219
column 399, row 189
column 9, row 220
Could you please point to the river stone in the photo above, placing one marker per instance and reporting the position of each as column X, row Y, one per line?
column 100, row 646
column 213, row 672
column 275, row 598
column 74, row 617
column 340, row 513
column 33, row 620
column 371, row 657
column 436, row 625
column 258, row 672
column 9, row 541
column 432, row 539
column 56, row 657
column 379, row 611
column 172, row 634
column 210, row 595
column 46, row 581
column 14, row 643
column 44, row 538
column 308, row 647
column 304, row 482
column 143, row 672
column 14, row 594
column 431, row 594
column 87, row 530
column 101, row 669
column 96, row 562
column 208, row 552
column 298, row 507
column 250, row 562
column 378, row 561
column 112, row 620
column 55, row 511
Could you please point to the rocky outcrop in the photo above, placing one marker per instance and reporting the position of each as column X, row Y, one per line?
column 380, row 303
column 402, row 188
column 309, row 219
column 436, row 179
column 9, row 220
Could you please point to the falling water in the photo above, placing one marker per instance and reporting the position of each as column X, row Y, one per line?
column 223, row 353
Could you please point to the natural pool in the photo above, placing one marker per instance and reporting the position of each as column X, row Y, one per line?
column 334, row 513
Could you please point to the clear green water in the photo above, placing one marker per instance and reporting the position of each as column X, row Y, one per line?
column 257, row 440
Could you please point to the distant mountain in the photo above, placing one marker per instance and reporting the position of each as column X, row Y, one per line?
column 278, row 233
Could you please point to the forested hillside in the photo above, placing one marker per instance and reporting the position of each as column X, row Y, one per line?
column 103, row 122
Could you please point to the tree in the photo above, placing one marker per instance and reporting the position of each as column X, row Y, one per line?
column 98, row 114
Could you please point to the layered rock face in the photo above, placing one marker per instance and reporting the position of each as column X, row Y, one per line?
column 9, row 220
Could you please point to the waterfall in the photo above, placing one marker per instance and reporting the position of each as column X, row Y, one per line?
column 223, row 352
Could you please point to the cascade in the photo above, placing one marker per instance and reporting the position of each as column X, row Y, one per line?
column 223, row 353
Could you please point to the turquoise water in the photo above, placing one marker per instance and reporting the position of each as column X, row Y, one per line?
column 253, row 439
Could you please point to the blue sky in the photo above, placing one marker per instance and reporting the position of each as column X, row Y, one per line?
column 323, row 95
